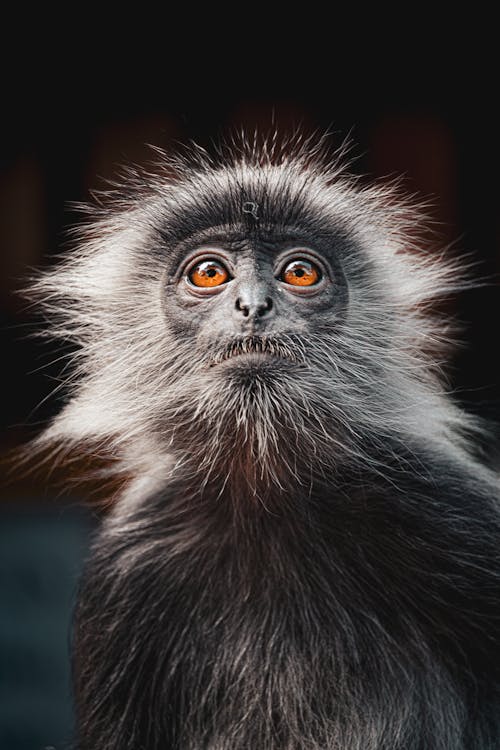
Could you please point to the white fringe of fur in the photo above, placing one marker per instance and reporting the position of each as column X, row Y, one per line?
column 132, row 387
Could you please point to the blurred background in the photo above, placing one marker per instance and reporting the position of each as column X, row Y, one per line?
column 66, row 131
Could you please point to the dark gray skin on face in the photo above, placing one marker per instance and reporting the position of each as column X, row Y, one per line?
column 308, row 557
column 255, row 300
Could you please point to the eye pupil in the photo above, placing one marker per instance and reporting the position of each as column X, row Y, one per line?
column 299, row 272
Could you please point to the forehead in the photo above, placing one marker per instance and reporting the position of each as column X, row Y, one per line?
column 243, row 201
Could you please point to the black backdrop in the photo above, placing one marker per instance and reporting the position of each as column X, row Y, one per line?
column 70, row 116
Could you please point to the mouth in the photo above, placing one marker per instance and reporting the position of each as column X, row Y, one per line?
column 257, row 350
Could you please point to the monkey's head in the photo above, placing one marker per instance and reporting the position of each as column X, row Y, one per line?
column 259, row 313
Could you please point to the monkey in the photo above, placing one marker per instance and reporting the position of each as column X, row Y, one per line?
column 306, row 555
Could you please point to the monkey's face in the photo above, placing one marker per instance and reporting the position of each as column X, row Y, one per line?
column 250, row 303
column 247, row 309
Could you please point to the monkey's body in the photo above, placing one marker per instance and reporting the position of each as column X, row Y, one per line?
column 309, row 558
column 370, row 624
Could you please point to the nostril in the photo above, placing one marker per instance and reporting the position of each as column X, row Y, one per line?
column 266, row 307
column 242, row 308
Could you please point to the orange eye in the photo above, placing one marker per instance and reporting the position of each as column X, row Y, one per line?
column 208, row 273
column 301, row 272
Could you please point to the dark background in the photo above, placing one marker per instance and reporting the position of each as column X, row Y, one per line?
column 67, row 126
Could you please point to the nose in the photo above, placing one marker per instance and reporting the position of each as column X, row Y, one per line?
column 253, row 302
column 254, row 310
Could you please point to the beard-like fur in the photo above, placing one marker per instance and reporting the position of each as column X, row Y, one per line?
column 307, row 556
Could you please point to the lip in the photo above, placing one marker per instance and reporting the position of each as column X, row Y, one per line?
column 253, row 359
column 259, row 351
